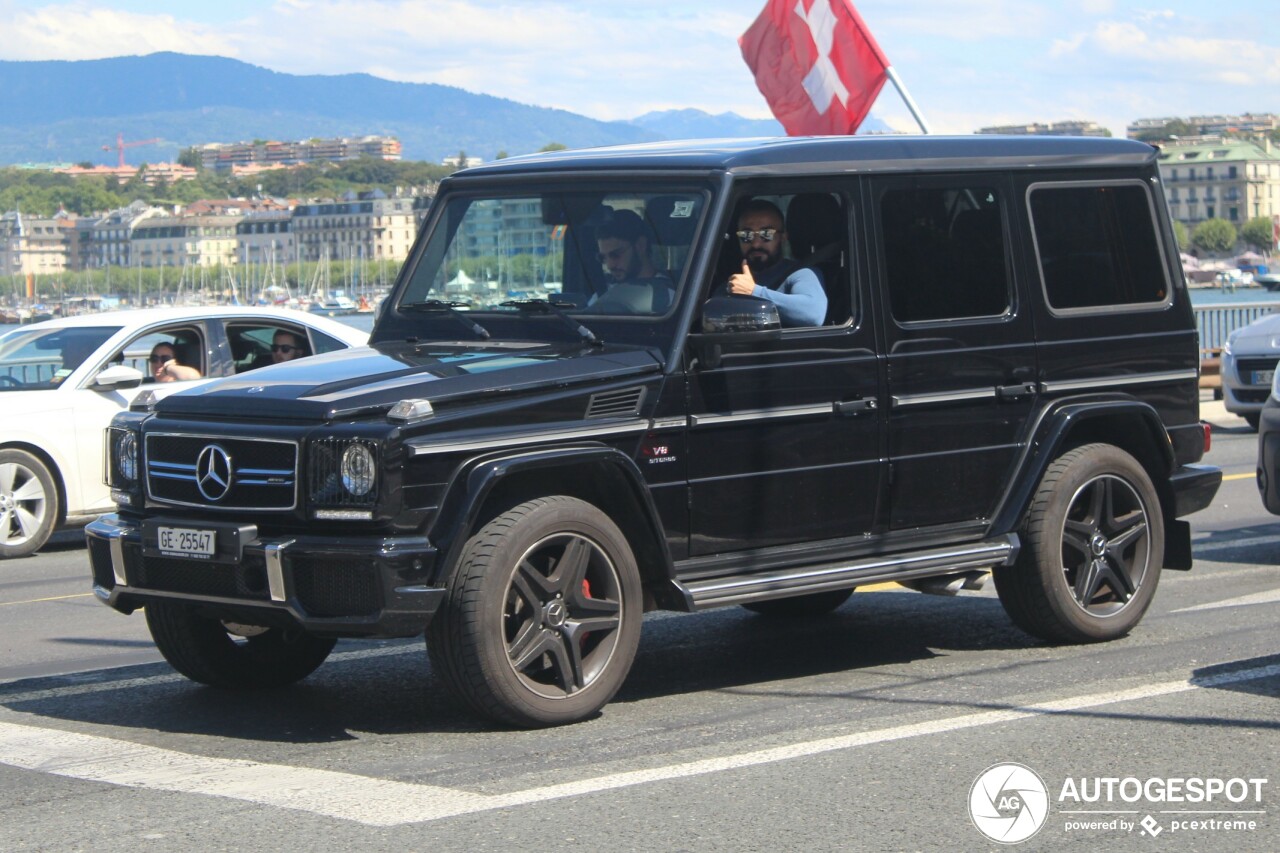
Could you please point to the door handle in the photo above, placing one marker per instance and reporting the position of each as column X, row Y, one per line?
column 855, row 407
column 1016, row 392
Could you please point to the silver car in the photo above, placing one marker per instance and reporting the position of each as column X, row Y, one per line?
column 1249, row 366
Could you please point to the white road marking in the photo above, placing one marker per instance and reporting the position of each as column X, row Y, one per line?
column 1265, row 597
column 1227, row 544
column 379, row 802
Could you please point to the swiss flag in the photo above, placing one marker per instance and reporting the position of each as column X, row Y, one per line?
column 816, row 64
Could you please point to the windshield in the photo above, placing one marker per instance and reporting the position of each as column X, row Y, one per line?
column 34, row 359
column 603, row 253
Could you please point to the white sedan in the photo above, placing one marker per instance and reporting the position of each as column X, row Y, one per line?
column 63, row 380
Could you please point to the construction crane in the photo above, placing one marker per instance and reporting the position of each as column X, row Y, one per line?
column 121, row 145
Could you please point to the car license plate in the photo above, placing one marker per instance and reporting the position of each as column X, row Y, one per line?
column 186, row 542
column 1263, row 377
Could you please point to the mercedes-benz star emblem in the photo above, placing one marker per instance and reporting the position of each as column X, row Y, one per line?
column 213, row 472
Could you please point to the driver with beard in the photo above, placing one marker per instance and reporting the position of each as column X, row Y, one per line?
column 795, row 290
column 633, row 284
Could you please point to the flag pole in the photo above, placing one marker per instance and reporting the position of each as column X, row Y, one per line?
column 906, row 97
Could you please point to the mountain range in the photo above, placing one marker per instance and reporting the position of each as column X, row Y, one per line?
column 72, row 111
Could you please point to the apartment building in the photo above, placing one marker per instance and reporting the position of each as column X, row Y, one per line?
column 112, row 235
column 369, row 226
column 1249, row 124
column 186, row 241
column 1053, row 128
column 265, row 237
column 34, row 245
column 224, row 156
column 1230, row 179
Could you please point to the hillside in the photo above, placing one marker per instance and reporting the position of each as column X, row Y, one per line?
column 61, row 111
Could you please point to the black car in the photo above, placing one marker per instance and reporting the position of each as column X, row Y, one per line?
column 564, row 419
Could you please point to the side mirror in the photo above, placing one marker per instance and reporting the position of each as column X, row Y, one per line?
column 728, row 320
column 729, row 314
column 116, row 377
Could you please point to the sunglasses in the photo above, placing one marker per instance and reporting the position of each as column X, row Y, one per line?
column 160, row 359
column 284, row 348
column 765, row 234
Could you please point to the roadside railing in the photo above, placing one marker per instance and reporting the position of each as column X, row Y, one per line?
column 1215, row 323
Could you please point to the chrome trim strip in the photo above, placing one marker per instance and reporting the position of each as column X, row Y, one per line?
column 1103, row 382
column 275, row 568
column 762, row 414
column 116, row 540
column 180, row 466
column 428, row 446
column 905, row 400
column 670, row 423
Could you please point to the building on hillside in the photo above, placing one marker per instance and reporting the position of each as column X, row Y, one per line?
column 113, row 234
column 1249, row 124
column 366, row 227
column 233, row 206
column 150, row 173
column 229, row 156
column 1053, row 128
column 33, row 245
column 1231, row 179
column 457, row 161
column 186, row 241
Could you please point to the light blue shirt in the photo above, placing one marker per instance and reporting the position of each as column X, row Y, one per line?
column 800, row 299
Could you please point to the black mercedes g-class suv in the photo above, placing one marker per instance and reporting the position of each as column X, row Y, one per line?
column 560, row 423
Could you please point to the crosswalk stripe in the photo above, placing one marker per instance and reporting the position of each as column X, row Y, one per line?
column 1265, row 597
column 381, row 802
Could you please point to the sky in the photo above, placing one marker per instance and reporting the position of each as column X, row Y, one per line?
column 967, row 63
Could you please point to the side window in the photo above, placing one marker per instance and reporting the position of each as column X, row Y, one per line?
column 320, row 342
column 944, row 253
column 804, row 268
column 1097, row 245
column 185, row 342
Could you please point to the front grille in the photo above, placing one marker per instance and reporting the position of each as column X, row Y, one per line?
column 246, row 580
column 336, row 587
column 261, row 473
column 1246, row 366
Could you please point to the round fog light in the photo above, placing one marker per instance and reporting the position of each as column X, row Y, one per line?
column 357, row 470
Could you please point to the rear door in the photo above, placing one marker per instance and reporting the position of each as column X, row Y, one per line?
column 959, row 343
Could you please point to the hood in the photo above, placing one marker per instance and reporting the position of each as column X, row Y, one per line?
column 368, row 381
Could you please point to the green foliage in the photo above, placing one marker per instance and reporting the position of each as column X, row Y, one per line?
column 1180, row 234
column 554, row 146
column 1177, row 127
column 1257, row 233
column 1215, row 236
column 189, row 157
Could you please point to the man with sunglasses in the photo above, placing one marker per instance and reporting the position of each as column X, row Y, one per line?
column 286, row 346
column 795, row 290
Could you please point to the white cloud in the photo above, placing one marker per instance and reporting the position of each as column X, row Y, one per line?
column 81, row 31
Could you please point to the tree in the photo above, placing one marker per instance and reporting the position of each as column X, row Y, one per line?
column 1180, row 235
column 1215, row 236
column 501, row 155
column 554, row 146
column 1257, row 233
column 189, row 157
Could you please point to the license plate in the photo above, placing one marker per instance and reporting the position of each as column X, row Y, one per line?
column 1263, row 377
column 186, row 542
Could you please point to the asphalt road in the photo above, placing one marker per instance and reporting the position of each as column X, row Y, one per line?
column 865, row 730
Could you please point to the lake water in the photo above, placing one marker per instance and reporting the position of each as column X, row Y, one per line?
column 363, row 322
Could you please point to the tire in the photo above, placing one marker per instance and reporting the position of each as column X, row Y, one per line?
column 29, row 503
column 813, row 604
column 1253, row 419
column 543, row 615
column 202, row 649
column 1092, row 549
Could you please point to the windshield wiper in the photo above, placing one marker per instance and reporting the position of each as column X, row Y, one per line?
column 439, row 306
column 546, row 306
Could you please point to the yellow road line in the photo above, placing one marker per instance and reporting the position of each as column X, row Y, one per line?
column 38, row 600
column 1226, row 477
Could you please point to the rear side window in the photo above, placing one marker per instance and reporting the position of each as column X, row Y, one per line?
column 944, row 253
column 1097, row 245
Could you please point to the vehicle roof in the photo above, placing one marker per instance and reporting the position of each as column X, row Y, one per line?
column 890, row 152
column 147, row 316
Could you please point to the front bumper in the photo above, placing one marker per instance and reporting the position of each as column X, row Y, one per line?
column 348, row 586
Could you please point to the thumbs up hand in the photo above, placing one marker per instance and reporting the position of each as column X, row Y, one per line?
column 742, row 283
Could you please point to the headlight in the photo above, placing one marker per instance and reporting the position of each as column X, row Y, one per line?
column 126, row 453
column 358, row 474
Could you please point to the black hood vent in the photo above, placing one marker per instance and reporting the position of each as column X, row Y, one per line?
column 614, row 404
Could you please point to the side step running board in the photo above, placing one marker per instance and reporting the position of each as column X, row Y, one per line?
column 783, row 583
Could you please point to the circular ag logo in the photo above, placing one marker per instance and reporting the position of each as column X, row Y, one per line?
column 1008, row 803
